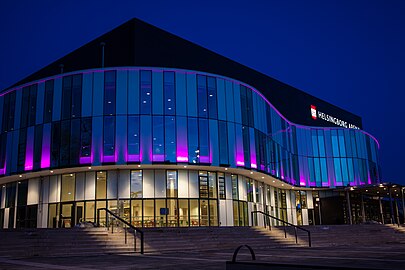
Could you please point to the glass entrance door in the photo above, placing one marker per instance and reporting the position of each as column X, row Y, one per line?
column 67, row 215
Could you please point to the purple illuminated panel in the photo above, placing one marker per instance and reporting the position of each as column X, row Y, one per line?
column 29, row 152
column 253, row 162
column 108, row 158
column 85, row 160
column 133, row 158
column 240, row 159
column 46, row 147
column 158, row 157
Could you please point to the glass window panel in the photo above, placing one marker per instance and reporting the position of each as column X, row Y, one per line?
column 160, row 213
column 85, row 131
column 335, row 143
column 204, row 213
column 193, row 149
column 194, row 210
column 146, row 92
column 171, row 184
column 235, row 194
column 213, row 213
column 202, row 96
column 169, row 93
column 136, row 212
column 212, row 97
column 76, row 110
column 338, row 172
column 133, row 138
column 212, row 185
column 33, row 105
column 221, row 184
column 109, row 136
column 37, row 147
column 22, row 193
column 203, row 183
column 250, row 107
column 101, row 185
column 246, row 145
column 55, row 144
column 223, row 143
column 183, row 213
column 136, row 184
column 342, row 145
column 68, row 187
column 244, row 105
column 66, row 97
column 109, row 92
column 203, row 140
column 158, row 139
column 170, row 139
column 172, row 213
column 25, row 106
column 75, row 142
column 48, row 104
column 64, row 143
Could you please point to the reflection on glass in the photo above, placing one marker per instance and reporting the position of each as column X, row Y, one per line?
column 148, row 213
column 68, row 187
column 101, row 185
column 183, row 213
column 136, row 184
column 194, row 221
column 171, row 188
column 136, row 206
column 161, row 213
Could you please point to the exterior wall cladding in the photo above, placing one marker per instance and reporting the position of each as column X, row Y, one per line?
column 205, row 148
column 164, row 120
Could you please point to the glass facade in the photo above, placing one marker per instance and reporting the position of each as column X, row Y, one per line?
column 176, row 118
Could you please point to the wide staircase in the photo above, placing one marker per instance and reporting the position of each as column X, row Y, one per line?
column 93, row 241
column 62, row 242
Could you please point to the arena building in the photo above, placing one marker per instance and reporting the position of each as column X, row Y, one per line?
column 167, row 133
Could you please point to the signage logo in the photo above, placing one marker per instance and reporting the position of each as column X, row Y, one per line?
column 315, row 114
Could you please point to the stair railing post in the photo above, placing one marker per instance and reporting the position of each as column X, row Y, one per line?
column 141, row 243
column 98, row 217
column 285, row 231
column 125, row 231
column 296, row 236
column 251, row 214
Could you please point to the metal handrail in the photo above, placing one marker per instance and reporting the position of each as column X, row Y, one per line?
column 284, row 225
column 135, row 230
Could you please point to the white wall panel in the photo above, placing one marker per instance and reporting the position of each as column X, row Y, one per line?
column 33, row 191
column 148, row 184
column 124, row 184
column 183, row 183
column 90, row 189
column 229, row 212
column 222, row 213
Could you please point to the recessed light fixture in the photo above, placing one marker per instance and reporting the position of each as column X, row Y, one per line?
column 226, row 169
column 51, row 171
column 185, row 166
column 282, row 185
column 262, row 177
column 251, row 172
column 274, row 181
column 139, row 166
column 89, row 168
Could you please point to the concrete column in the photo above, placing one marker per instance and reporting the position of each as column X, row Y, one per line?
column 363, row 210
column 381, row 210
column 349, row 208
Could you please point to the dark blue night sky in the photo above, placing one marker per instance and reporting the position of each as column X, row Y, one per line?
column 350, row 53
